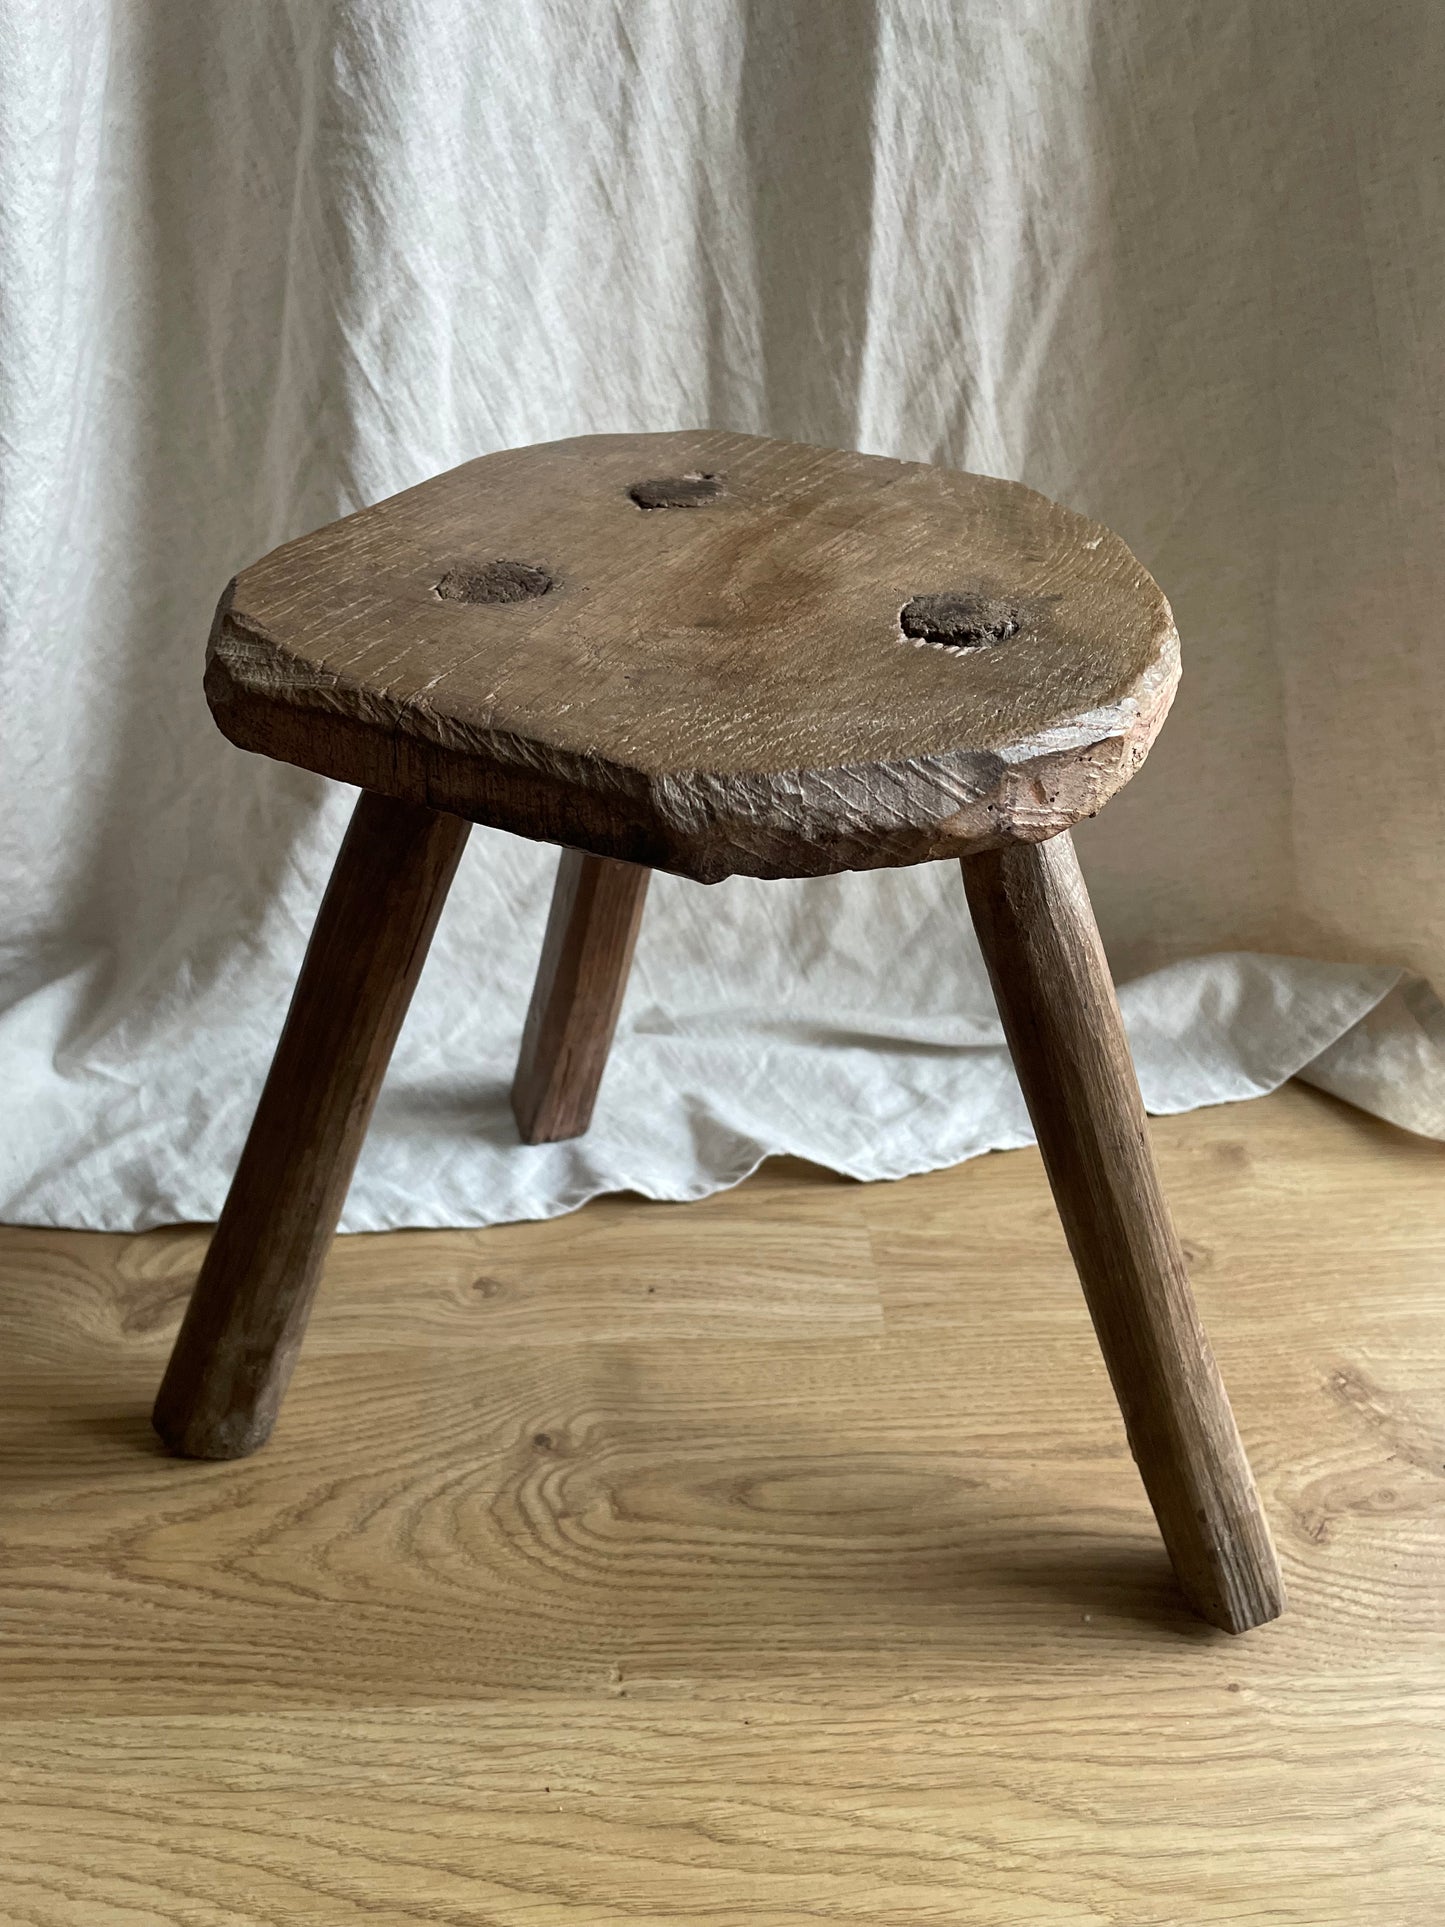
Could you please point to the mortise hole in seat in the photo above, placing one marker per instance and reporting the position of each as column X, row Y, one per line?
column 959, row 619
column 498, row 581
column 691, row 491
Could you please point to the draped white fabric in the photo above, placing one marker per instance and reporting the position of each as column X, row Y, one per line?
column 1179, row 265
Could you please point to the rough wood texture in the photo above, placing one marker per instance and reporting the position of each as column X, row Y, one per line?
column 586, row 954
column 1062, row 1022
column 718, row 683
column 239, row 1340
column 764, row 1562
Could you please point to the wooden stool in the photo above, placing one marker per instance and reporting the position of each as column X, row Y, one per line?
column 714, row 655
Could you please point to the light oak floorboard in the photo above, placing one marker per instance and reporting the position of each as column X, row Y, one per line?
column 771, row 1560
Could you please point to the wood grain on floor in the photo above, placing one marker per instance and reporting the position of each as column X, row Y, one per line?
column 771, row 1560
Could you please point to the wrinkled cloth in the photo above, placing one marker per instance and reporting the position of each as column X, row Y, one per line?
column 1179, row 266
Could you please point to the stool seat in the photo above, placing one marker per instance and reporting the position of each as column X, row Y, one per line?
column 709, row 653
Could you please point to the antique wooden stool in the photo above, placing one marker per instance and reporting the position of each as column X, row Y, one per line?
column 714, row 655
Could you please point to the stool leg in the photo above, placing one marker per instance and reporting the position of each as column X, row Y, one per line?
column 244, row 1325
column 586, row 954
column 1062, row 1022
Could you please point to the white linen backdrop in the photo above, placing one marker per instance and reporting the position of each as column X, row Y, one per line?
column 1179, row 265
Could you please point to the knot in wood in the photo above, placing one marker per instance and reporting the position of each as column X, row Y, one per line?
column 959, row 619
column 691, row 491
column 498, row 581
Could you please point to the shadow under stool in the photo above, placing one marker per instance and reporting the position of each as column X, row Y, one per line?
column 715, row 655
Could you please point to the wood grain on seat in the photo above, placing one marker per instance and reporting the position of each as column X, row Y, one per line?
column 709, row 653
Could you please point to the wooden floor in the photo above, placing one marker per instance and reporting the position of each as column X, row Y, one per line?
column 771, row 1560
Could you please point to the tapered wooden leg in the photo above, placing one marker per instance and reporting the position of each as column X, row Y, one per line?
column 586, row 954
column 1062, row 1022
column 243, row 1327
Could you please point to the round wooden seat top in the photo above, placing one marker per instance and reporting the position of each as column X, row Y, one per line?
column 709, row 653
